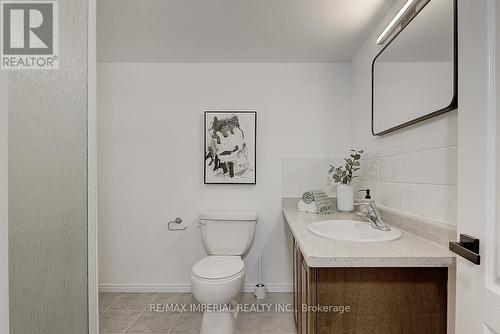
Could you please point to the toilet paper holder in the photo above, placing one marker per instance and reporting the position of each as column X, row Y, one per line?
column 176, row 221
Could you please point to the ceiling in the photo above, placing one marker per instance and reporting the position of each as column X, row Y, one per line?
column 235, row 30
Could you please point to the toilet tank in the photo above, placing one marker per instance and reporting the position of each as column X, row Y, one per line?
column 227, row 232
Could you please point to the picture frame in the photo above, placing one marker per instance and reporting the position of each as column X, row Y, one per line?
column 230, row 147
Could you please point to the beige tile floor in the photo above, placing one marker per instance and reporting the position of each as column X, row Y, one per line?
column 129, row 313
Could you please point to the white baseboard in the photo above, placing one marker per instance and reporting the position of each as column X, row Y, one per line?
column 180, row 288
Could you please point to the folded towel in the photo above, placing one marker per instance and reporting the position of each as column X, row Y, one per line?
column 324, row 204
column 304, row 207
column 308, row 197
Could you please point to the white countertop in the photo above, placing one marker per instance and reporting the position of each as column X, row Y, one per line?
column 408, row 251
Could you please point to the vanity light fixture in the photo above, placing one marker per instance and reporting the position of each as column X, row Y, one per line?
column 389, row 29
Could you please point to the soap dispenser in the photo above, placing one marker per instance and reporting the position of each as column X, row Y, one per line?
column 367, row 199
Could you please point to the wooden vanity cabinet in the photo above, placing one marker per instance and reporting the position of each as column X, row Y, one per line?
column 381, row 300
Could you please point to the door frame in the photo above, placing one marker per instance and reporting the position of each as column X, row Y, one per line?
column 492, row 266
column 93, row 296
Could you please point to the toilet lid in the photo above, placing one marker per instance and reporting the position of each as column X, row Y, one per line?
column 216, row 267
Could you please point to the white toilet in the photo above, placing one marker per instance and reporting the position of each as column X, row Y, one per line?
column 218, row 278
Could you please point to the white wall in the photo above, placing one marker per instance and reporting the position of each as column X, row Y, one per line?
column 150, row 160
column 412, row 170
column 4, row 218
column 305, row 173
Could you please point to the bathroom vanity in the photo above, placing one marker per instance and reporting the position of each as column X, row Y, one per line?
column 398, row 286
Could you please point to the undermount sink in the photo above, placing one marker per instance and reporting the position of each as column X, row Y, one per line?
column 351, row 230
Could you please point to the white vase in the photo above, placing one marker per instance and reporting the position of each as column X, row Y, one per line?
column 345, row 198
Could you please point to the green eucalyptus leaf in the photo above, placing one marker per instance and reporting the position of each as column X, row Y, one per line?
column 345, row 174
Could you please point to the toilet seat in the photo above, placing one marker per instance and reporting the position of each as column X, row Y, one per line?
column 218, row 267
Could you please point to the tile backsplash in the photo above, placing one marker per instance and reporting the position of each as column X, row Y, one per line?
column 420, row 182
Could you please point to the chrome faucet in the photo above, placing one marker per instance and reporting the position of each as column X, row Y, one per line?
column 371, row 213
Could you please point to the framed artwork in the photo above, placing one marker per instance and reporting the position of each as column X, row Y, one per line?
column 230, row 144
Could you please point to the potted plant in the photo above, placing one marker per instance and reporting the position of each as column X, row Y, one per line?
column 344, row 175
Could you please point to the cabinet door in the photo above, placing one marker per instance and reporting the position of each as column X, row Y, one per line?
column 308, row 298
column 304, row 293
column 311, row 299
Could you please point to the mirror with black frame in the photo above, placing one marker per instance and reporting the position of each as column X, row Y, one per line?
column 414, row 77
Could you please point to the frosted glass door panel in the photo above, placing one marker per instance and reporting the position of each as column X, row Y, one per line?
column 48, row 187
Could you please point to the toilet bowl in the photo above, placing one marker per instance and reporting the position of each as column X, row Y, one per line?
column 215, row 282
column 217, row 279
